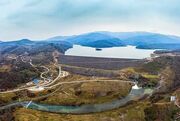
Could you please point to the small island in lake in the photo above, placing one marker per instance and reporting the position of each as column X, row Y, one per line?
column 98, row 49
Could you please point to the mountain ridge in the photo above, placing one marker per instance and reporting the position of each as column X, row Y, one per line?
column 138, row 39
column 104, row 39
column 122, row 35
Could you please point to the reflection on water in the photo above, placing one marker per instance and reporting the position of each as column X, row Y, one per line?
column 114, row 52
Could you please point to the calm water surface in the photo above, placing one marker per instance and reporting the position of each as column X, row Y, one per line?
column 114, row 52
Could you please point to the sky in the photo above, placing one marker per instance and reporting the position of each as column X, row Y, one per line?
column 41, row 19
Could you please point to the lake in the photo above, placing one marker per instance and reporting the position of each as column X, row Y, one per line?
column 114, row 52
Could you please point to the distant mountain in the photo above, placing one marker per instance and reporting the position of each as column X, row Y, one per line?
column 33, row 47
column 114, row 42
column 17, row 42
column 60, row 38
column 94, row 39
column 112, row 39
column 102, row 39
column 136, row 38
column 152, row 39
column 97, row 40
column 125, row 35
column 159, row 46
column 24, row 41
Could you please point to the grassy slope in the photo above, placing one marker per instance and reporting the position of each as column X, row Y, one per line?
column 86, row 93
column 7, row 97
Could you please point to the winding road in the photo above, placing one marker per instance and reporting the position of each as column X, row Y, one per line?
column 60, row 75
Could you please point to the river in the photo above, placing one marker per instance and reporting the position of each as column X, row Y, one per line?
column 135, row 94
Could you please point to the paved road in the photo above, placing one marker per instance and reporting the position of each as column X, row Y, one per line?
column 45, row 72
column 176, row 103
column 60, row 75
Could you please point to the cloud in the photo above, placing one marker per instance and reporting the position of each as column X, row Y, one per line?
column 62, row 16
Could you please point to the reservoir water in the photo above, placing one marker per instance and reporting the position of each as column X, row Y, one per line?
column 114, row 52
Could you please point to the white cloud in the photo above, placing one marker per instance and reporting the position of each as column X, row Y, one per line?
column 44, row 18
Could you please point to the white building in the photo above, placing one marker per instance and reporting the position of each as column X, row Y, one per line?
column 173, row 98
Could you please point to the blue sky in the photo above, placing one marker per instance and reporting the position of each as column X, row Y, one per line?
column 40, row 19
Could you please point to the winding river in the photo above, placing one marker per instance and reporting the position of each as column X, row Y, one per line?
column 135, row 93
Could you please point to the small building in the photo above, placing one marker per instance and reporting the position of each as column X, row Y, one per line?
column 29, row 83
column 35, row 81
column 173, row 98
